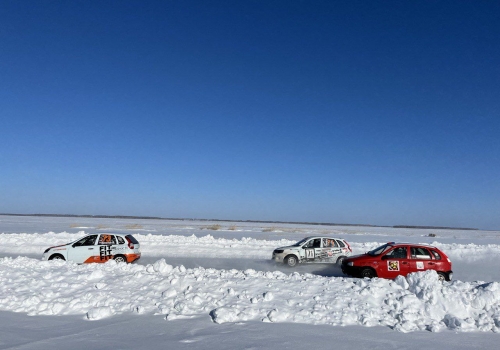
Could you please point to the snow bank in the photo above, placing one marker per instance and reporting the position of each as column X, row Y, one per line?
column 152, row 245
column 95, row 291
column 210, row 247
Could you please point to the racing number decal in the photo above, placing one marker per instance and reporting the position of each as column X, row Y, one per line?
column 420, row 265
column 310, row 254
column 105, row 239
column 393, row 265
column 105, row 252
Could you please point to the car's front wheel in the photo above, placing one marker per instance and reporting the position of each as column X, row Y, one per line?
column 120, row 259
column 368, row 273
column 56, row 257
column 291, row 260
column 340, row 260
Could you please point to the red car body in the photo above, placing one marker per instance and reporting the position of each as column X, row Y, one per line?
column 393, row 259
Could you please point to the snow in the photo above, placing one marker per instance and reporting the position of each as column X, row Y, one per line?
column 97, row 291
column 227, row 283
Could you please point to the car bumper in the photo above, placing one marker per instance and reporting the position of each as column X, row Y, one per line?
column 132, row 258
column 450, row 276
column 278, row 257
column 351, row 270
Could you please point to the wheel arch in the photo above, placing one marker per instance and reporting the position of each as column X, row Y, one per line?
column 56, row 255
column 445, row 274
column 373, row 271
column 285, row 259
column 340, row 259
column 122, row 256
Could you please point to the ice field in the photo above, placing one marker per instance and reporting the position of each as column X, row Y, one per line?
column 216, row 278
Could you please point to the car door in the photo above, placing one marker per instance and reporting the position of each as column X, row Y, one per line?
column 330, row 250
column 394, row 263
column 421, row 259
column 83, row 250
column 438, row 263
column 107, row 245
column 312, row 250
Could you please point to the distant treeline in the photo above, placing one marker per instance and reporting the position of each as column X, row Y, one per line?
column 244, row 221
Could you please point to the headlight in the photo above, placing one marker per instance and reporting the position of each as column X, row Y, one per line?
column 46, row 250
column 350, row 263
column 278, row 251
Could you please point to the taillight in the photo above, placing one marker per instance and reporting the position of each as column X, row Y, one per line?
column 130, row 244
column 348, row 246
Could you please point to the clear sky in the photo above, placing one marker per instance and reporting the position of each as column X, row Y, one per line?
column 374, row 112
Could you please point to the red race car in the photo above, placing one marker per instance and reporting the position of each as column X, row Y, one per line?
column 394, row 259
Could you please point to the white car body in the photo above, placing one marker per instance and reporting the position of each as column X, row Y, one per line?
column 97, row 248
column 314, row 250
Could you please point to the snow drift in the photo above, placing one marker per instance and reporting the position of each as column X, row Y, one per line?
column 209, row 247
column 95, row 291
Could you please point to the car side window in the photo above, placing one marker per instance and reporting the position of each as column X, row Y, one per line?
column 437, row 256
column 420, row 253
column 120, row 240
column 85, row 241
column 329, row 243
column 341, row 244
column 397, row 253
column 313, row 243
column 107, row 240
column 309, row 244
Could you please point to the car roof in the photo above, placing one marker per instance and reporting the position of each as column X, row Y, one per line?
column 107, row 233
column 410, row 243
column 328, row 237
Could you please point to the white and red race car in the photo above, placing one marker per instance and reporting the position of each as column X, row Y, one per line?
column 314, row 250
column 97, row 248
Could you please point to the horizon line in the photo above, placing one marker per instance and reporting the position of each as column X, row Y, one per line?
column 250, row 221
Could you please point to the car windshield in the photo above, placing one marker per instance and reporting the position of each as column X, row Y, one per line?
column 379, row 250
column 299, row 243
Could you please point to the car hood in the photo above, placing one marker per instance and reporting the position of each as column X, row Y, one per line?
column 359, row 257
column 57, row 246
column 288, row 247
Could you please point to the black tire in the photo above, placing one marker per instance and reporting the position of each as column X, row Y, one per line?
column 291, row 260
column 340, row 259
column 368, row 273
column 56, row 257
column 120, row 259
column 442, row 276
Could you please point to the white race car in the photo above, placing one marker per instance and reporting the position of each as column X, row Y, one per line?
column 97, row 248
column 314, row 249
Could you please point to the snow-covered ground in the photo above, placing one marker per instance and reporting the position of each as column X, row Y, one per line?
column 199, row 285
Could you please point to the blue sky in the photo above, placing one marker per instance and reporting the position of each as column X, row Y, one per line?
column 329, row 111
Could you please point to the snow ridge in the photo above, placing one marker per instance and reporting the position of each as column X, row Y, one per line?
column 95, row 291
column 209, row 246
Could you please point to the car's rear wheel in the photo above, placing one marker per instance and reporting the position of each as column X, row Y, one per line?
column 368, row 273
column 442, row 276
column 291, row 260
column 340, row 260
column 56, row 257
column 120, row 258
